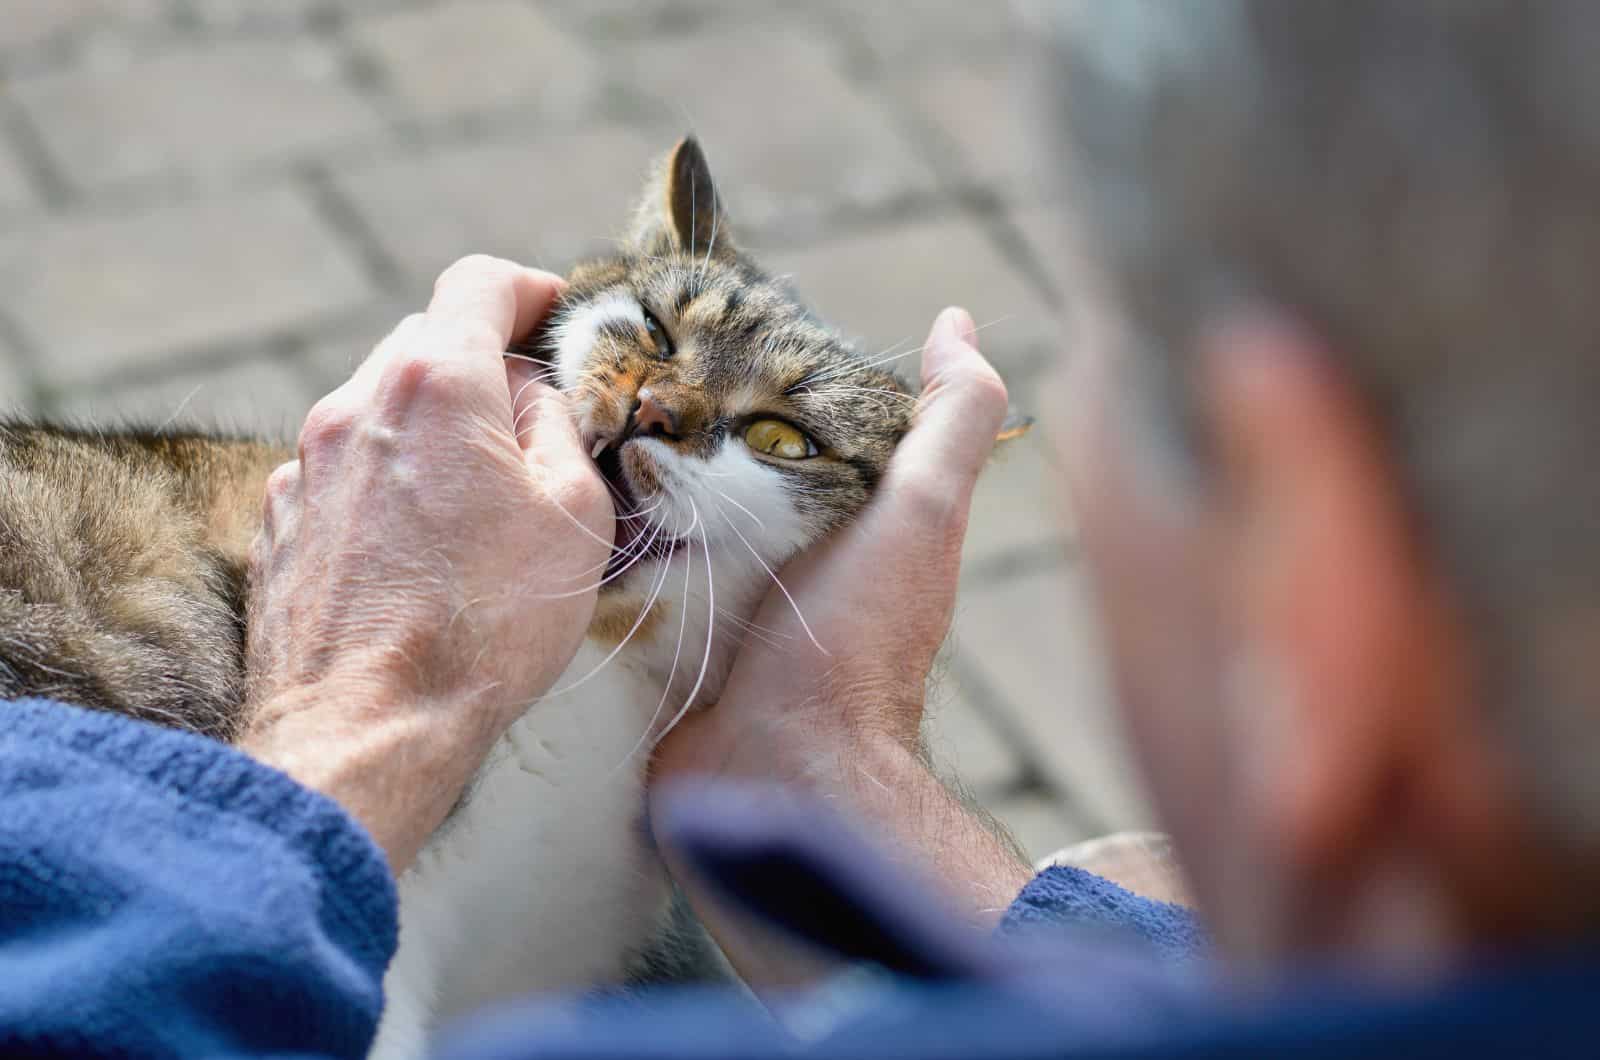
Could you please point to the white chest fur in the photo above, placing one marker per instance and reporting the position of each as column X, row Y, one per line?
column 544, row 879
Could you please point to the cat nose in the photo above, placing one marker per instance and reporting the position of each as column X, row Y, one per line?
column 651, row 417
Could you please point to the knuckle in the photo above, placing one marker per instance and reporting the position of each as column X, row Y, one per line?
column 284, row 482
column 327, row 428
column 583, row 493
column 414, row 377
column 260, row 554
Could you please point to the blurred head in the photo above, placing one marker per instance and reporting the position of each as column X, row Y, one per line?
column 1334, row 416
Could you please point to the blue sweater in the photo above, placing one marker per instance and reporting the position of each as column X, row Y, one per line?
column 163, row 895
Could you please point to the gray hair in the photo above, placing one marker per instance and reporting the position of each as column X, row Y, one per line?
column 1419, row 182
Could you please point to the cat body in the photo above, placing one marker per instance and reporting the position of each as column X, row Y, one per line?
column 733, row 429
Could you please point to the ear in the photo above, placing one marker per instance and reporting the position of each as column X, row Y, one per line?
column 1352, row 673
column 682, row 210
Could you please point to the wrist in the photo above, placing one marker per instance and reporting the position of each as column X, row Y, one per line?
column 389, row 763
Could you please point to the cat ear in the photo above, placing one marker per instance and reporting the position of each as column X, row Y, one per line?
column 682, row 210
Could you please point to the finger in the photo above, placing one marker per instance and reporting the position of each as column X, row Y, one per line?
column 525, row 391
column 962, row 405
column 494, row 300
column 545, row 427
column 279, row 507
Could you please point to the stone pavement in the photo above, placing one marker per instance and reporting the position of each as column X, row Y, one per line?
column 210, row 209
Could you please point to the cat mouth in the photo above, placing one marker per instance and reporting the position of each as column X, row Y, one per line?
column 636, row 538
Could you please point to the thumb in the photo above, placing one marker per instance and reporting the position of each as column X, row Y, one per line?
column 962, row 405
column 545, row 428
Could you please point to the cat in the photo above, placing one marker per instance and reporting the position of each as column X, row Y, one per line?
column 734, row 430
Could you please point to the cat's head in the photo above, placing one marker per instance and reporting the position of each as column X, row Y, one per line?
column 727, row 419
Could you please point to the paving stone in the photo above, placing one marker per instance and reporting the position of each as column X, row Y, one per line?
column 886, row 286
column 1019, row 506
column 275, row 16
column 1046, row 230
column 15, row 395
column 15, row 191
column 195, row 112
column 790, row 140
column 260, row 397
column 1033, row 640
column 984, row 124
column 33, row 23
column 924, row 31
column 640, row 18
column 332, row 355
column 965, row 742
column 106, row 292
column 1037, row 823
column 467, row 56
column 544, row 201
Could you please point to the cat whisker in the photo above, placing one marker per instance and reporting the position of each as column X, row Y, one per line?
column 873, row 391
column 716, row 218
column 711, row 627
column 634, row 559
column 610, row 547
column 633, row 551
column 644, row 613
column 170, row 420
column 739, row 506
column 776, row 581
column 677, row 653
column 516, row 428
column 751, row 629
column 883, row 357
column 756, row 626
column 531, row 360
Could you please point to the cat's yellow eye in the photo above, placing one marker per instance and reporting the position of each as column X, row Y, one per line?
column 776, row 438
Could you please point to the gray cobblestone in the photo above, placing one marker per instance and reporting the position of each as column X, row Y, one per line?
column 15, row 190
column 788, row 137
column 199, row 112
column 1037, row 823
column 15, row 394
column 1018, row 506
column 924, row 32
column 1033, row 641
column 29, row 25
column 983, row 124
column 97, row 295
column 462, row 56
column 261, row 396
column 224, row 204
column 642, row 18
column 885, row 287
column 963, row 739
column 275, row 16
column 333, row 354
column 544, row 200
column 1045, row 229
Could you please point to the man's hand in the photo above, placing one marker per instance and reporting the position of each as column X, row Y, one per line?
column 879, row 598
column 416, row 582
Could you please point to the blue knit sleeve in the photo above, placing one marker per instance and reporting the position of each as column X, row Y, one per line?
column 1065, row 897
column 163, row 894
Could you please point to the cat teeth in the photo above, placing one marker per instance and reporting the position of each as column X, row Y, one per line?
column 599, row 447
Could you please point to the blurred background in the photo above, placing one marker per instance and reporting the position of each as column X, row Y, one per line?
column 211, row 209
